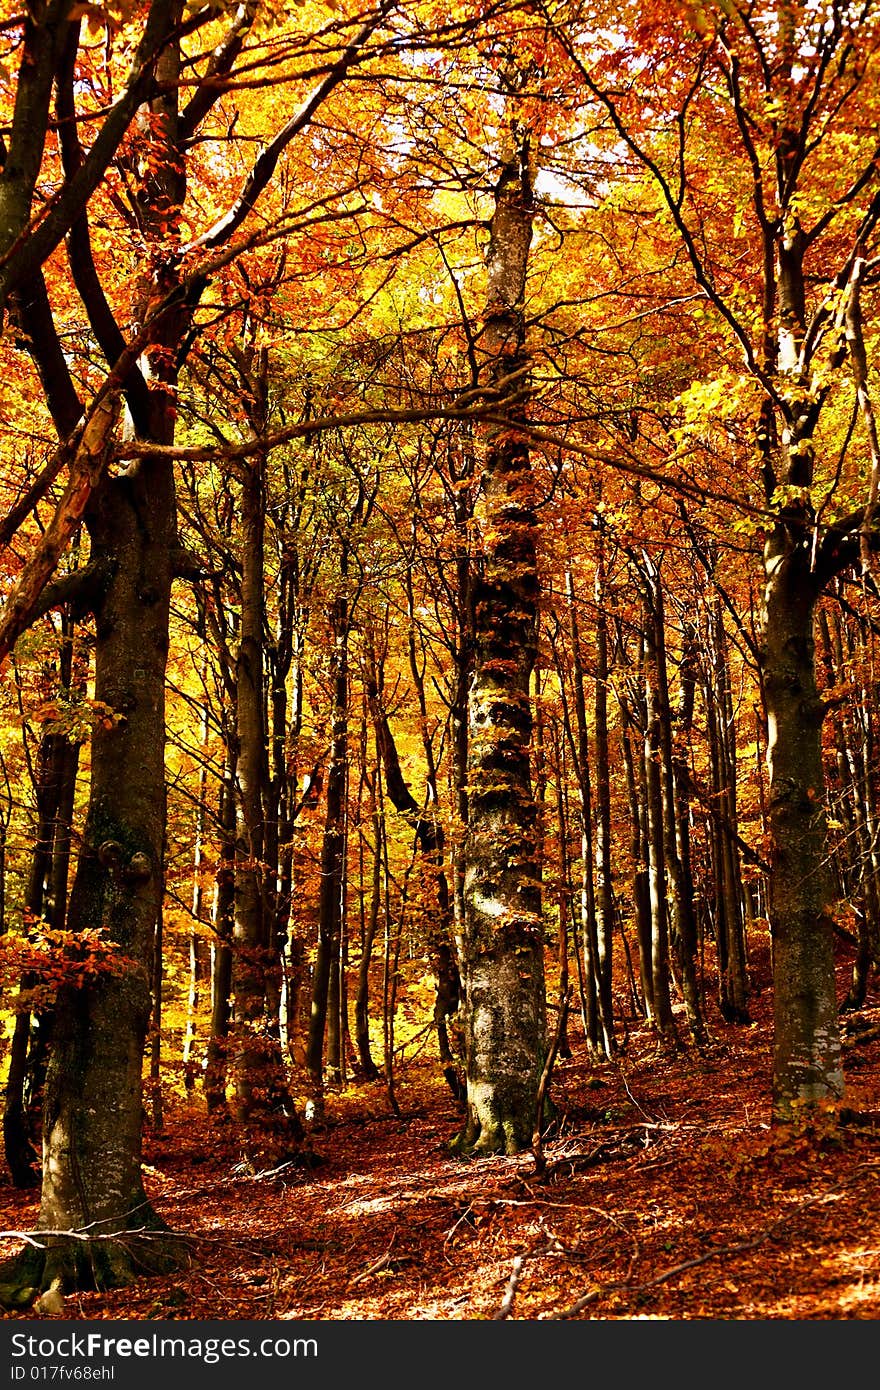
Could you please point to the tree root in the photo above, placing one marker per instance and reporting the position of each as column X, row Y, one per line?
column 70, row 1260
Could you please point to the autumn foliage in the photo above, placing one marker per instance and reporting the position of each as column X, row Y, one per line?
column 439, row 601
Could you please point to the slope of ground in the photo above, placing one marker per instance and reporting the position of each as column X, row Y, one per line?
column 666, row 1195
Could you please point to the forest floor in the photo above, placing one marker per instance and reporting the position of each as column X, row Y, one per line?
column 666, row 1195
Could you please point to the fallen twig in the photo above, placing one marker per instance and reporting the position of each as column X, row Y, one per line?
column 622, row 1075
column 381, row 1263
column 636, row 1138
column 30, row 1237
column 510, row 1291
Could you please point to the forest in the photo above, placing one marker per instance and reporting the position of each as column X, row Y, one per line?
column 439, row 634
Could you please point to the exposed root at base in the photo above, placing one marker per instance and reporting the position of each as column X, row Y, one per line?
column 83, row 1261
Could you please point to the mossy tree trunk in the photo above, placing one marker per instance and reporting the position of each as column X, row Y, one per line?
column 807, row 1066
column 93, row 1106
column 503, row 971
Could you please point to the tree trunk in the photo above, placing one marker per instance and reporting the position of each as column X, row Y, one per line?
column 860, row 741
column 429, row 840
column 433, row 841
column 197, row 971
column 639, row 851
column 729, row 927
column 604, row 884
column 683, row 926
column 21, row 1156
column 681, row 788
column 600, row 1034
column 657, row 892
column 503, row 968
column 807, row 1064
column 370, row 918
column 261, row 1095
column 333, row 844
column 222, row 920
column 93, row 1107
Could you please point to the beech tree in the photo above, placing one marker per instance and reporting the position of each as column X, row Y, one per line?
column 502, row 950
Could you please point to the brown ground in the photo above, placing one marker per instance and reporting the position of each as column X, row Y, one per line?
column 666, row 1195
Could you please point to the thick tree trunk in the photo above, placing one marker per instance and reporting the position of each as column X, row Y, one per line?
column 93, row 1107
column 504, row 1004
column 93, row 1110
column 807, row 1066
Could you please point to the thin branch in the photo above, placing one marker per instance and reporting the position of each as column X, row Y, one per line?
column 265, row 164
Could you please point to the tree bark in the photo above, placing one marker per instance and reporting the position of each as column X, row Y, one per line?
column 93, row 1107
column 262, row 1100
column 807, row 1059
column 222, row 920
column 503, row 968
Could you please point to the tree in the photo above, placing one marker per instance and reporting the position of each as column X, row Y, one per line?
column 502, row 949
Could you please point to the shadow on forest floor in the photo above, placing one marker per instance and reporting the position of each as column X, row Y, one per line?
column 666, row 1195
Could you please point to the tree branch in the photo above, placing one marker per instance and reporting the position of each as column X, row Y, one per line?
column 212, row 86
column 264, row 166
column 79, row 246
column 35, row 243
column 87, row 467
column 79, row 588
